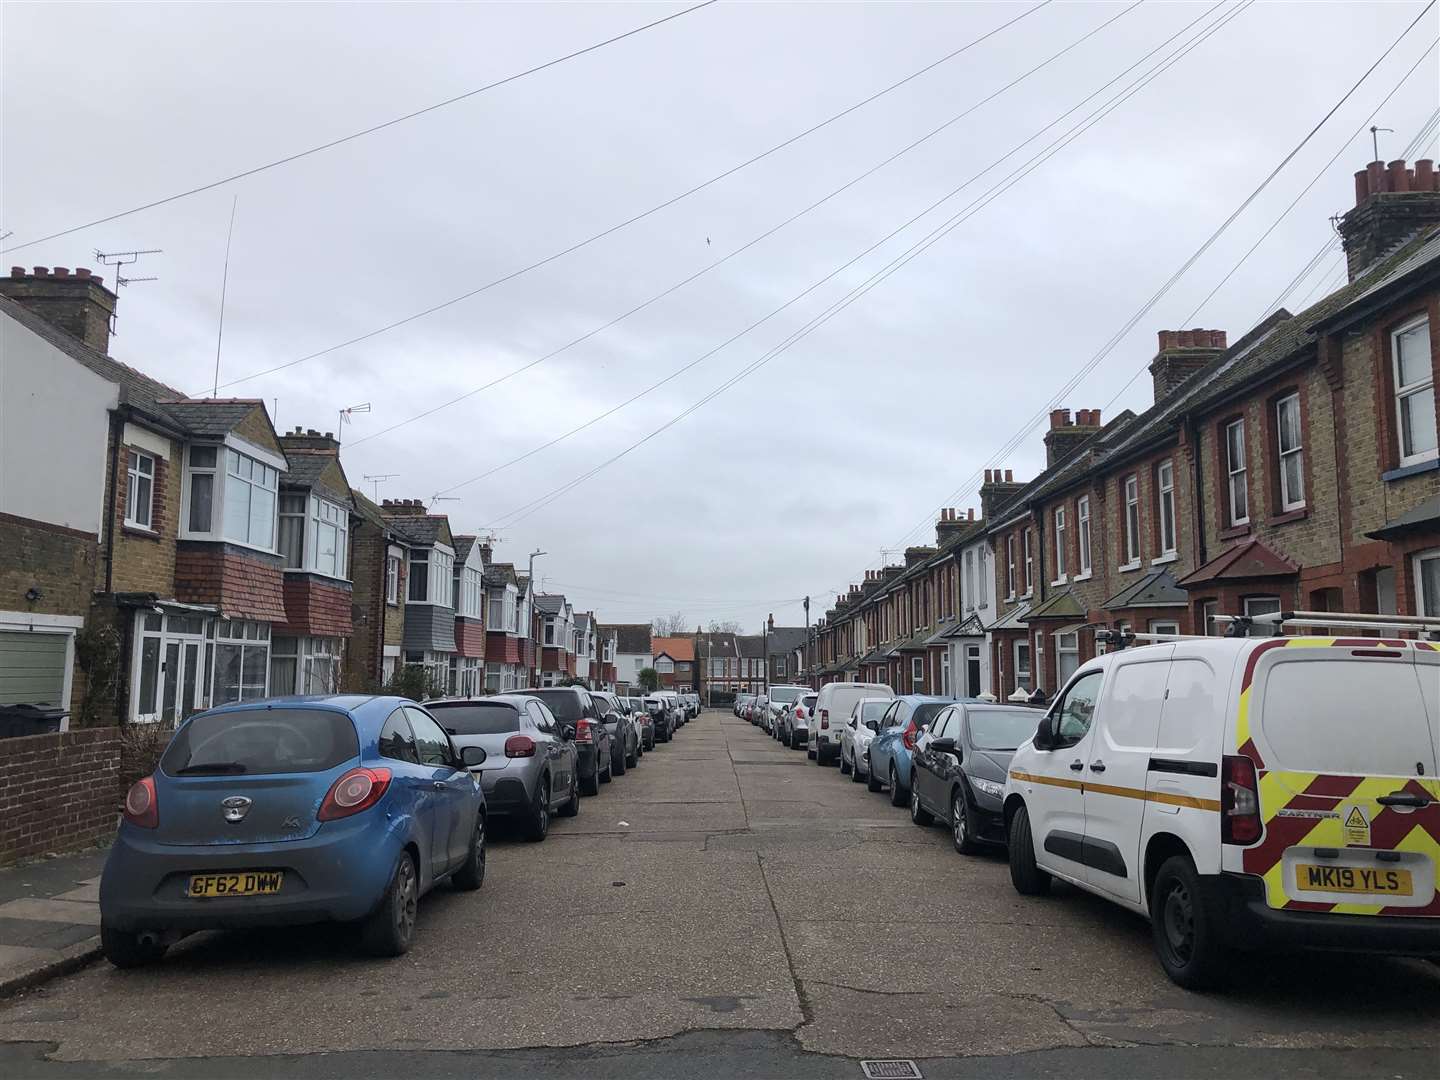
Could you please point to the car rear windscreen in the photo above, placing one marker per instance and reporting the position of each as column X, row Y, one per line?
column 565, row 704
column 926, row 712
column 873, row 710
column 783, row 695
column 472, row 718
column 1002, row 729
column 262, row 741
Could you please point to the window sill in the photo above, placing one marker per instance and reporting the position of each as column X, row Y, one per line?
column 1061, row 580
column 1300, row 513
column 1128, row 567
column 1161, row 560
column 1235, row 531
column 1081, row 577
column 139, row 531
column 1415, row 468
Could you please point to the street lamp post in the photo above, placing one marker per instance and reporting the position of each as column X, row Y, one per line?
column 530, row 630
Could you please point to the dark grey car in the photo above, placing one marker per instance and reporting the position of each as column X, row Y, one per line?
column 530, row 769
column 624, row 736
column 580, row 722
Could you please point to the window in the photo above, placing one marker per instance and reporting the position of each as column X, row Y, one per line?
column 549, row 631
column 970, row 579
column 1076, row 710
column 1291, row 464
column 1067, row 656
column 284, row 664
column 292, row 529
column 431, row 573
column 1059, row 545
column 1165, row 487
column 665, row 666
column 917, row 673
column 1010, row 567
column 1025, row 538
column 1082, row 521
column 1238, row 473
column 470, row 593
column 431, row 743
column 330, row 527
column 419, row 576
column 321, row 674
column 492, row 678
column 200, row 476
column 392, row 578
column 240, row 655
column 1427, row 583
column 1164, row 626
column 396, row 742
column 1209, row 611
column 1414, row 392
column 497, row 612
column 139, row 489
column 1132, row 520
column 1022, row 664
column 250, row 496
column 1261, row 605
column 779, row 667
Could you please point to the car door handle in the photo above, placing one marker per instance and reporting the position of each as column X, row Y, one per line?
column 1097, row 766
column 1077, row 765
column 438, row 785
column 1403, row 798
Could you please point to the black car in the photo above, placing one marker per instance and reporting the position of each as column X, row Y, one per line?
column 581, row 723
column 625, row 746
column 959, row 767
column 660, row 715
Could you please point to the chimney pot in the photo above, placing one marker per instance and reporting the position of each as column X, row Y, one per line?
column 42, row 271
column 1398, row 180
column 61, row 271
column 1009, row 476
column 17, row 271
column 970, row 514
column 1375, row 177
column 987, row 476
column 1185, row 339
column 81, row 272
column 1424, row 175
column 1362, row 186
column 329, row 434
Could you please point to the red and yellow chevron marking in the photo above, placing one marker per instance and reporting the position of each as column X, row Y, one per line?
column 1390, row 830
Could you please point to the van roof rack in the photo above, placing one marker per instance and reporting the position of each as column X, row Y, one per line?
column 1276, row 623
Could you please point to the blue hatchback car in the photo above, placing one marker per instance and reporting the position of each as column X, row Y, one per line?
column 890, row 749
column 293, row 810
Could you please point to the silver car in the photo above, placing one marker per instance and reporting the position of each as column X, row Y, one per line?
column 530, row 769
column 855, row 736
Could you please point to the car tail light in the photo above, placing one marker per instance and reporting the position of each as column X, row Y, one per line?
column 141, row 806
column 825, row 719
column 911, row 732
column 519, row 746
column 359, row 789
column 582, row 731
column 799, row 712
column 1239, row 801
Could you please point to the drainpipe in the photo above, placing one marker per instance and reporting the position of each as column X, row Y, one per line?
column 117, row 431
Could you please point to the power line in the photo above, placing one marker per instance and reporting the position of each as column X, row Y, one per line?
column 512, row 275
column 757, row 239
column 360, row 134
column 529, row 508
column 839, row 269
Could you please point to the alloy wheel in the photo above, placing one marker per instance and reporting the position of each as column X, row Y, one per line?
column 407, row 894
column 957, row 821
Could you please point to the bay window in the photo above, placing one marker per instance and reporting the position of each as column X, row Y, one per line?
column 1414, row 392
column 329, row 537
column 431, row 574
column 1132, row 522
column 292, row 529
column 470, row 593
column 1165, row 487
column 1082, row 521
column 200, row 487
column 242, row 491
column 239, row 655
column 1290, row 452
column 139, row 489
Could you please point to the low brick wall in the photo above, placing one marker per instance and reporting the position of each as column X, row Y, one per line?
column 58, row 792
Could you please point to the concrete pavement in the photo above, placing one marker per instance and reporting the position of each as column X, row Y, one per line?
column 732, row 908
column 49, row 917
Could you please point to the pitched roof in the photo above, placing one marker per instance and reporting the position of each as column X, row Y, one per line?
column 550, row 603
column 1420, row 256
column 1243, row 562
column 677, row 648
column 500, row 574
column 787, row 638
column 367, row 509
column 717, row 644
column 419, row 528
column 582, row 620
column 751, row 646
column 1158, row 588
column 1063, row 605
column 210, row 418
column 463, row 544
column 633, row 638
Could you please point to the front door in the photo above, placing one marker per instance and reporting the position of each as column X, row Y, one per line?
column 1056, row 798
column 166, row 679
column 972, row 671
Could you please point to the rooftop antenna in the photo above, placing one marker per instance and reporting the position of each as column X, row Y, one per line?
column 377, row 479
column 442, row 498
column 1375, row 139
column 119, row 259
column 345, row 414
column 224, row 283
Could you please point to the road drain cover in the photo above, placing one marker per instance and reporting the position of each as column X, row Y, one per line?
column 890, row 1069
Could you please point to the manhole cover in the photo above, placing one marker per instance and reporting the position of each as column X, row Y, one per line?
column 891, row 1069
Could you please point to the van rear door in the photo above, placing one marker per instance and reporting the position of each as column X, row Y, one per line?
column 1347, row 730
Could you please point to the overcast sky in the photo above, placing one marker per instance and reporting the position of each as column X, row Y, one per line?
column 792, row 482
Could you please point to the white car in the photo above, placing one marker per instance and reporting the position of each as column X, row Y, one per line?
column 1242, row 792
column 855, row 736
column 831, row 712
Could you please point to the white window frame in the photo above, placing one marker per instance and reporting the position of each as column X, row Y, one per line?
column 664, row 665
column 1082, row 522
column 1165, row 493
column 245, row 636
column 221, row 480
column 1028, row 681
column 393, row 557
column 327, row 515
column 917, row 672
column 1027, row 548
column 1010, row 566
column 1408, row 390
column 1262, row 605
column 470, row 593
column 1424, row 603
column 1131, row 531
column 1066, row 644
column 292, row 511
column 1289, row 500
column 1060, row 575
column 1236, row 473
column 439, row 577
column 135, row 476
column 1164, row 626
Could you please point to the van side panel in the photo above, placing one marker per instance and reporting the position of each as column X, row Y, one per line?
column 1183, row 768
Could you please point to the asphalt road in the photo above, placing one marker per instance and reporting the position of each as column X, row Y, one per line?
column 728, row 909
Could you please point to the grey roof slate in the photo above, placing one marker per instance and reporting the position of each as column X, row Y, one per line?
column 1155, row 589
column 1419, row 257
column 417, row 528
column 208, row 418
column 1422, row 515
column 633, row 638
column 550, row 603
column 750, row 645
column 787, row 638
column 463, row 544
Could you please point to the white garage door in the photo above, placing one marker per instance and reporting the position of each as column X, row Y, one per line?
column 32, row 667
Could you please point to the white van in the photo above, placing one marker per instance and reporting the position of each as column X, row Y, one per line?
column 831, row 714
column 1243, row 793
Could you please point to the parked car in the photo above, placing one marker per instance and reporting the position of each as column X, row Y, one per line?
column 742, row 700
column 959, row 768
column 293, row 810
column 1247, row 794
column 646, row 723
column 676, row 706
column 760, row 712
column 626, row 741
column 798, row 711
column 779, row 697
column 890, row 749
column 821, row 732
column 694, row 702
column 661, row 717
column 580, row 722
column 855, row 736
column 530, row 769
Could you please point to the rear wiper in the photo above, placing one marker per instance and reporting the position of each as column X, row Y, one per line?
column 213, row 766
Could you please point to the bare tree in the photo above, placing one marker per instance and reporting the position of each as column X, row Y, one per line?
column 670, row 625
column 726, row 626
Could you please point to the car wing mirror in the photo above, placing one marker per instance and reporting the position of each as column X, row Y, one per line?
column 472, row 756
column 568, row 731
column 873, row 725
column 1041, row 741
column 944, row 746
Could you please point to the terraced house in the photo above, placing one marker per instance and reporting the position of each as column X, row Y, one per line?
column 429, row 635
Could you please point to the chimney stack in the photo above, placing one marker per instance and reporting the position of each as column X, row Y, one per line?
column 1392, row 204
column 77, row 303
column 310, row 442
column 915, row 555
column 999, row 488
column 1181, row 354
column 1066, row 435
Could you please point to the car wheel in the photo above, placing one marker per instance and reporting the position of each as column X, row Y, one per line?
column 872, row 782
column 590, row 785
column 1025, row 875
column 537, row 824
column 809, row 753
column 390, row 931
column 128, row 950
column 960, row 824
column 897, row 793
column 633, row 759
column 918, row 814
column 844, row 763
column 471, row 874
column 572, row 806
column 1186, row 927
column 855, row 772
column 609, row 773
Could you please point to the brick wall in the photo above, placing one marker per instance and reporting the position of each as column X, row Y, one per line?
column 60, row 562
column 248, row 586
column 470, row 637
column 58, row 792
column 316, row 607
column 145, row 561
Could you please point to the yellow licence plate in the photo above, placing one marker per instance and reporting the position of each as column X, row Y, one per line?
column 245, row 883
column 1353, row 879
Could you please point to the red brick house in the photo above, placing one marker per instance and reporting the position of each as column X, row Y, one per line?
column 380, row 567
